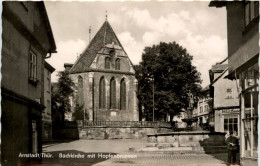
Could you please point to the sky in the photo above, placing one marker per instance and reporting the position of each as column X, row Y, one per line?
column 195, row 26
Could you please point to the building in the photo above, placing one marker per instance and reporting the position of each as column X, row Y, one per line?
column 225, row 99
column 243, row 66
column 105, row 79
column 204, row 112
column 27, row 40
column 46, row 114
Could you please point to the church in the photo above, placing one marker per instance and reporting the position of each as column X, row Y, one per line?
column 105, row 79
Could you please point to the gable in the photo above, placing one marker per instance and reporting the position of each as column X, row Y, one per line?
column 104, row 40
column 41, row 28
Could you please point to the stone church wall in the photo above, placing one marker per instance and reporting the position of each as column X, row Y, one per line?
column 91, row 100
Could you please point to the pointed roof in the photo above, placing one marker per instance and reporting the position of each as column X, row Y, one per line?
column 104, row 36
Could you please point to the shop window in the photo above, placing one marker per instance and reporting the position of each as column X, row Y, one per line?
column 250, row 78
column 230, row 124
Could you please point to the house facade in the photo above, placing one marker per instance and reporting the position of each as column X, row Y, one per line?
column 105, row 79
column 27, row 40
column 225, row 99
column 46, row 114
column 243, row 66
column 204, row 109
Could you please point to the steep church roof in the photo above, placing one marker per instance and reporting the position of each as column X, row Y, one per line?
column 103, row 37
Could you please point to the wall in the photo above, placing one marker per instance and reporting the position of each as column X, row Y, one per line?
column 111, row 132
column 242, row 41
column 46, row 114
column 91, row 90
column 220, row 88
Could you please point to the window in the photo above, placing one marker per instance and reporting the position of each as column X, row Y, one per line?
column 229, row 94
column 122, row 95
column 80, row 82
column 117, row 64
column 230, row 124
column 251, row 11
column 32, row 67
column 102, row 93
column 112, row 53
column 201, row 109
column 206, row 108
column 107, row 63
column 113, row 93
column 48, row 84
column 48, row 107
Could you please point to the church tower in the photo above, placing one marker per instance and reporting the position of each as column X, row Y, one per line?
column 105, row 79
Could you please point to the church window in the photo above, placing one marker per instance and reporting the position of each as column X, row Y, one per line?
column 117, row 64
column 113, row 93
column 122, row 95
column 112, row 53
column 80, row 82
column 102, row 93
column 107, row 63
column 80, row 90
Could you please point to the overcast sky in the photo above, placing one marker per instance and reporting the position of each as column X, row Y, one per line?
column 197, row 27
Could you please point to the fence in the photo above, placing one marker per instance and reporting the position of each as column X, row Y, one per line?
column 81, row 123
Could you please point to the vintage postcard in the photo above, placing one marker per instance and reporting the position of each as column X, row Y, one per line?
column 140, row 83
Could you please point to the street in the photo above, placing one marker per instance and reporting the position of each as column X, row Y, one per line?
column 116, row 152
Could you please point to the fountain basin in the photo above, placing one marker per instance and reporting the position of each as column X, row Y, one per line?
column 189, row 139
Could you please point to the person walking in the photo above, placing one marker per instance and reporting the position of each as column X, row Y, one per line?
column 232, row 145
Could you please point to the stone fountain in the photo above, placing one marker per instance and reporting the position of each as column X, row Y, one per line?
column 186, row 141
column 189, row 120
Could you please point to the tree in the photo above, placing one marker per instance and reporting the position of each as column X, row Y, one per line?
column 167, row 70
column 78, row 113
column 61, row 94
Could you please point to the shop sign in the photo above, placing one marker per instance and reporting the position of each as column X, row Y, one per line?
column 230, row 111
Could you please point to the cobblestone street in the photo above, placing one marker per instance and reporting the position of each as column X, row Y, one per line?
column 92, row 148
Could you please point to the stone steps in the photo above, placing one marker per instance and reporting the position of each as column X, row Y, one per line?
column 184, row 150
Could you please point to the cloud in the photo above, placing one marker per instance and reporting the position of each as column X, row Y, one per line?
column 131, row 46
column 198, row 28
column 67, row 53
column 206, row 51
column 179, row 27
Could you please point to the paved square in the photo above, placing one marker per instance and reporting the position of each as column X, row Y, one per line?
column 116, row 153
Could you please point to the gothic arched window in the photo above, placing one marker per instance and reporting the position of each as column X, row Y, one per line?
column 113, row 93
column 122, row 95
column 80, row 82
column 117, row 64
column 102, row 93
column 80, row 89
column 107, row 63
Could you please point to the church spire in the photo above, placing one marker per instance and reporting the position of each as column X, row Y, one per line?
column 106, row 15
column 89, row 34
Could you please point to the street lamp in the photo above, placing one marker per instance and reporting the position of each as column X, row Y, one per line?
column 153, row 98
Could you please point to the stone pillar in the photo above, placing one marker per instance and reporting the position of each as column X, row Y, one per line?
column 135, row 110
column 90, row 96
